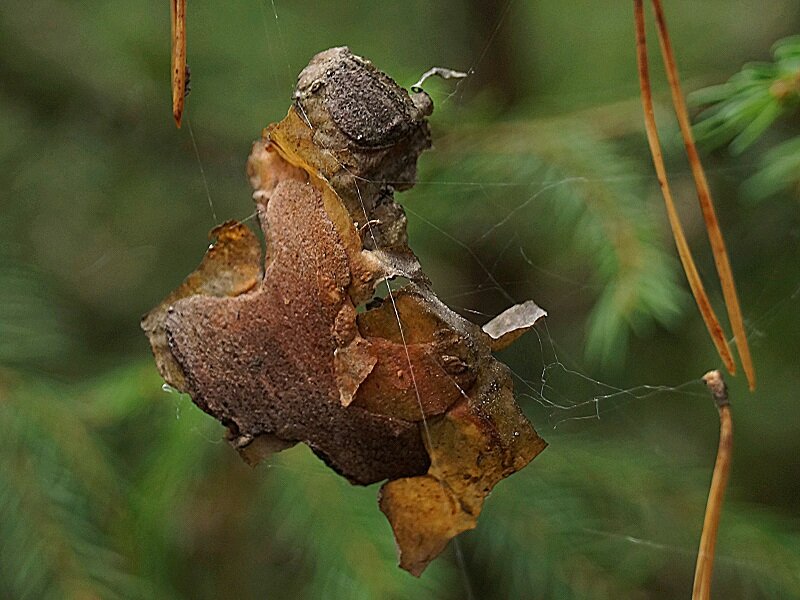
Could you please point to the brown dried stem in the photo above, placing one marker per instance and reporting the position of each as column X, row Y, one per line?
column 719, row 481
column 704, row 196
column 685, row 254
column 177, row 9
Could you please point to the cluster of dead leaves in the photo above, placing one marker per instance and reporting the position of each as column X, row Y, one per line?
column 297, row 349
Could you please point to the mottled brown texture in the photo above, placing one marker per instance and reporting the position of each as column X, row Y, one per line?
column 363, row 134
column 404, row 390
column 231, row 266
column 479, row 441
column 263, row 361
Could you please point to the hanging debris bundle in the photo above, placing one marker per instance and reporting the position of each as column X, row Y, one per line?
column 299, row 348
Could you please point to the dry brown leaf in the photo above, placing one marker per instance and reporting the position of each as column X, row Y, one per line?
column 231, row 266
column 404, row 390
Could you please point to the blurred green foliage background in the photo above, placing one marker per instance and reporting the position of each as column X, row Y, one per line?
column 539, row 185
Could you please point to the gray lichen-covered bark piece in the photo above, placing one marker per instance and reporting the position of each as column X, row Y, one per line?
column 405, row 390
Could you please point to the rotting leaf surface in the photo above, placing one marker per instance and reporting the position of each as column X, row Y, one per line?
column 406, row 390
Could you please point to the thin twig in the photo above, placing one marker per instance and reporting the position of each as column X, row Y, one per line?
column 704, row 196
column 442, row 72
column 716, row 493
column 177, row 10
column 685, row 254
